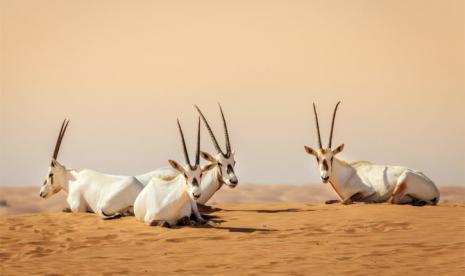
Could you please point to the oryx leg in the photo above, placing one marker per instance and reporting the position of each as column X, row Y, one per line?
column 108, row 211
column 161, row 223
column 196, row 212
column 76, row 203
column 115, row 206
column 413, row 189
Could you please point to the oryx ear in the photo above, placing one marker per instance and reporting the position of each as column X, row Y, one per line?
column 56, row 164
column 177, row 167
column 311, row 151
column 208, row 167
column 338, row 149
column 208, row 157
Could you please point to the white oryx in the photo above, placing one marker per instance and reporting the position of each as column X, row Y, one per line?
column 213, row 180
column 363, row 181
column 108, row 196
column 170, row 200
column 224, row 173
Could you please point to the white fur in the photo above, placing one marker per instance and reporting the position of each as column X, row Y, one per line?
column 375, row 183
column 87, row 190
column 211, row 181
column 169, row 200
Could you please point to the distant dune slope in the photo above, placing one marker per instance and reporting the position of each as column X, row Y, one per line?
column 27, row 200
column 298, row 239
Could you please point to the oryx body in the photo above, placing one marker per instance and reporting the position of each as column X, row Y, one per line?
column 88, row 190
column 172, row 197
column 363, row 181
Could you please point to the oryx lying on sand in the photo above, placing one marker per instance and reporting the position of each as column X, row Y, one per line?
column 167, row 200
column 363, row 181
column 108, row 196
column 213, row 180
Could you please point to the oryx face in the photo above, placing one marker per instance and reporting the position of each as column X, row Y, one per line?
column 225, row 165
column 324, row 157
column 191, row 173
column 52, row 183
column 192, row 176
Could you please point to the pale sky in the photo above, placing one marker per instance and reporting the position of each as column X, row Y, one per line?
column 123, row 71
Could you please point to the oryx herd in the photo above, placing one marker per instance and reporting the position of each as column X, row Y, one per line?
column 169, row 196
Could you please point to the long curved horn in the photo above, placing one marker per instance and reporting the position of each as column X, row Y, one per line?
column 332, row 125
column 317, row 126
column 186, row 154
column 226, row 132
column 197, row 156
column 212, row 136
column 64, row 126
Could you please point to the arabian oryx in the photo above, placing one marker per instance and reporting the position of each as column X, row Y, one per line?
column 170, row 200
column 363, row 181
column 108, row 196
column 213, row 180
column 224, row 173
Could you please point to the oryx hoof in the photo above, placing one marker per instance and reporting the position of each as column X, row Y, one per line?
column 67, row 210
column 332, row 201
column 164, row 224
column 418, row 203
column 185, row 221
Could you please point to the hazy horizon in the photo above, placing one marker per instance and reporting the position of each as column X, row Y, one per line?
column 122, row 72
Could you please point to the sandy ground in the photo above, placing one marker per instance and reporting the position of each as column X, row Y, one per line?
column 247, row 239
column 282, row 238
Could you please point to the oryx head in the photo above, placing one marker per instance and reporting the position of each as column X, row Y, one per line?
column 52, row 183
column 324, row 156
column 191, row 173
column 224, row 160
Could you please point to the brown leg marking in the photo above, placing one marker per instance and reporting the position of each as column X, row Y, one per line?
column 399, row 192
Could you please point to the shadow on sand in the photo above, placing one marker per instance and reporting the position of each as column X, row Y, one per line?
column 290, row 210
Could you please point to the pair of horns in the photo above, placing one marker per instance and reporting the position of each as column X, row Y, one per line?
column 64, row 126
column 332, row 126
column 226, row 133
column 186, row 154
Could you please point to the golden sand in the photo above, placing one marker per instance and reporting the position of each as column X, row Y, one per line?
column 246, row 239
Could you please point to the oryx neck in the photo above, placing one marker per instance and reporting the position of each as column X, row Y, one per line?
column 66, row 178
column 211, row 182
column 340, row 174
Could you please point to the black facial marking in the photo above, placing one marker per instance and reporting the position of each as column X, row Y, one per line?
column 195, row 182
column 230, row 169
column 325, row 165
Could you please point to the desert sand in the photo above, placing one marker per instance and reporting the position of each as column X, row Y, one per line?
column 283, row 238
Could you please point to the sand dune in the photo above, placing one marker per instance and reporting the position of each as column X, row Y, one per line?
column 273, row 236
column 254, row 239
